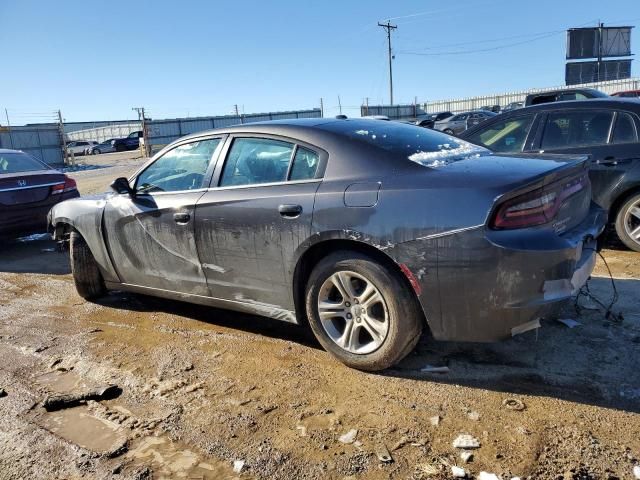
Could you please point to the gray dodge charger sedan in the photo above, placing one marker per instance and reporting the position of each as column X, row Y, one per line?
column 366, row 231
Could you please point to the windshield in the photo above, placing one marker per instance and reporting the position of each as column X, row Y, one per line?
column 16, row 162
column 426, row 147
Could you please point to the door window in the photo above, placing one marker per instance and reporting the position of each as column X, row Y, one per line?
column 576, row 129
column 182, row 168
column 305, row 164
column 624, row 130
column 253, row 161
column 507, row 136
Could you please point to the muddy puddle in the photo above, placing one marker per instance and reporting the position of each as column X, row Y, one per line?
column 78, row 426
column 61, row 381
column 170, row 460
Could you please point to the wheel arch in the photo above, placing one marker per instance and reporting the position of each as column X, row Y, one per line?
column 312, row 255
column 620, row 199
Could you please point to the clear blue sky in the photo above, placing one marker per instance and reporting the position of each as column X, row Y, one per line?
column 95, row 60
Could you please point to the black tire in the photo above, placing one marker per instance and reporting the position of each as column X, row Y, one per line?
column 626, row 221
column 86, row 274
column 404, row 316
column 96, row 151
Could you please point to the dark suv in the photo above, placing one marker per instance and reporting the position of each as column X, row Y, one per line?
column 605, row 129
column 563, row 95
column 130, row 142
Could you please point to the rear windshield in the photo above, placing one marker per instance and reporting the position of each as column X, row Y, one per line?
column 16, row 162
column 426, row 147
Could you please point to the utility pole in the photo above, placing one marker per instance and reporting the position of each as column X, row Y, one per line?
column 145, row 135
column 388, row 27
column 235, row 109
column 339, row 105
column 321, row 108
column 65, row 154
column 366, row 102
column 9, row 127
column 600, row 28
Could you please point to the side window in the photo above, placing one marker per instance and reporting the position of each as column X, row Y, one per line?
column 305, row 164
column 507, row 136
column 576, row 129
column 624, row 130
column 256, row 160
column 182, row 168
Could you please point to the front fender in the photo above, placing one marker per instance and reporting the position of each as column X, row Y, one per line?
column 85, row 216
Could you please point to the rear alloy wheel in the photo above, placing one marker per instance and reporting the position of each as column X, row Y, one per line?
column 448, row 131
column 96, row 151
column 86, row 274
column 362, row 312
column 628, row 223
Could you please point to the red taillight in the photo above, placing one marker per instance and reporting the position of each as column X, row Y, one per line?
column 537, row 207
column 68, row 186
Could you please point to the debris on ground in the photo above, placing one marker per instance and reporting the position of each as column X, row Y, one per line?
column 67, row 400
column 238, row 465
column 399, row 444
column 383, row 453
column 434, row 369
column 302, row 429
column 466, row 441
column 513, row 404
column 466, row 457
column 473, row 415
column 636, row 471
column 435, row 421
column 488, row 476
column 458, row 472
column 3, row 392
column 349, row 437
column 569, row 322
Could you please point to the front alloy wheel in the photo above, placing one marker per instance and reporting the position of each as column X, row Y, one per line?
column 362, row 311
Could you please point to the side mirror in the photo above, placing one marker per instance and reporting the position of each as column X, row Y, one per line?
column 121, row 185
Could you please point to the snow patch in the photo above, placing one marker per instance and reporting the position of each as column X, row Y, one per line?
column 446, row 154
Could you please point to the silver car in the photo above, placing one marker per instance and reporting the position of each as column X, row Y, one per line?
column 457, row 124
column 104, row 147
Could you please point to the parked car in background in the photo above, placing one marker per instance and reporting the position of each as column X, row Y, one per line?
column 491, row 108
column 563, row 95
column 431, row 118
column 28, row 190
column 457, row 124
column 104, row 147
column 130, row 142
column 79, row 147
column 512, row 106
column 605, row 129
column 298, row 220
column 627, row 94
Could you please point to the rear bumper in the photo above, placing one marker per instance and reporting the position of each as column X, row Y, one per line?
column 495, row 284
column 25, row 219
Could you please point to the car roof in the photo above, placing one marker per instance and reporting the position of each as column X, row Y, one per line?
column 290, row 127
column 610, row 102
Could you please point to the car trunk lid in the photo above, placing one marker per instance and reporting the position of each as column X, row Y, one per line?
column 28, row 187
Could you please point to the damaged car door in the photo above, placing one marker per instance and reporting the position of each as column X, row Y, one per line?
column 251, row 222
column 150, row 230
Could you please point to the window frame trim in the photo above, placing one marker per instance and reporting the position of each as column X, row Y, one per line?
column 323, row 157
column 215, row 158
column 634, row 122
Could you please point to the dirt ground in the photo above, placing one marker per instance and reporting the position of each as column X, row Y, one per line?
column 203, row 391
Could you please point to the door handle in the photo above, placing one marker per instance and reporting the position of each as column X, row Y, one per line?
column 181, row 217
column 608, row 161
column 290, row 211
